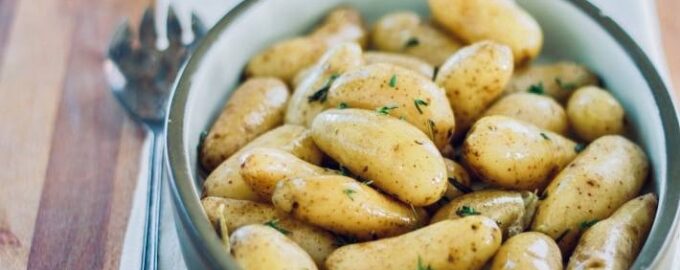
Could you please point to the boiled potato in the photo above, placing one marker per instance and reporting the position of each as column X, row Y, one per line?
column 256, row 106
column 260, row 247
column 264, row 167
column 459, row 180
column 402, row 60
column 452, row 244
column 399, row 158
column 557, row 80
column 343, row 24
column 541, row 111
column 286, row 58
column 502, row 21
column 614, row 243
column 608, row 173
column 528, row 251
column 226, row 181
column 512, row 210
column 593, row 113
column 514, row 154
column 473, row 78
column 404, row 32
column 403, row 93
column 343, row 205
column 317, row 242
column 310, row 96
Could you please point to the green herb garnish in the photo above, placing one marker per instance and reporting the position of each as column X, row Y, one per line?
column 578, row 148
column 393, row 81
column 349, row 193
column 274, row 223
column 545, row 136
column 536, row 89
column 587, row 224
column 422, row 266
column 419, row 102
column 458, row 185
column 385, row 110
column 342, row 105
column 412, row 42
column 465, row 211
column 565, row 86
column 321, row 94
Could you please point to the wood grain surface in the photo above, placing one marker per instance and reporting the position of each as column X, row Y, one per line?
column 69, row 154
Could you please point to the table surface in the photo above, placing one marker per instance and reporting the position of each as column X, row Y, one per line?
column 70, row 154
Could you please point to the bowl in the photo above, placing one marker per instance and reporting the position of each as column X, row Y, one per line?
column 574, row 30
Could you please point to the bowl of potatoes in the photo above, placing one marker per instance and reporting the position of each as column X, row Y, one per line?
column 411, row 134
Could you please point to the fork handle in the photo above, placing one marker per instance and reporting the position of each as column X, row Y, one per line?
column 152, row 220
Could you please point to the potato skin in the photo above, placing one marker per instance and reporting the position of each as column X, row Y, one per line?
column 502, row 21
column 406, row 61
column 615, row 242
column 608, row 173
column 256, row 106
column 343, row 205
column 541, row 111
column 455, row 172
column 302, row 108
column 528, row 251
column 404, row 32
column 343, row 24
column 558, row 80
column 473, row 78
column 451, row 244
column 513, row 154
column 226, row 181
column 399, row 158
column 259, row 247
column 377, row 85
column 285, row 58
column 593, row 113
column 317, row 242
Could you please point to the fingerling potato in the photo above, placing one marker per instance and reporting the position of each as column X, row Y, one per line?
column 459, row 180
column 343, row 24
column 286, row 58
column 258, row 247
column 557, row 80
column 409, row 62
column 593, row 113
column 528, row 251
column 539, row 110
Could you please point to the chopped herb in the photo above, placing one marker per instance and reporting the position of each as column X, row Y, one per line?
column 545, row 136
column 458, row 185
column 465, row 211
column 579, row 147
column 587, row 224
column 393, row 81
column 341, row 240
column 418, row 102
column 565, row 86
column 422, row 266
column 536, row 89
column 342, row 105
column 274, row 223
column 559, row 238
column 321, row 94
column 385, row 110
column 349, row 193
column 412, row 42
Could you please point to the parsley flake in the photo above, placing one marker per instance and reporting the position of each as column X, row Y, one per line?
column 412, row 42
column 422, row 266
column 321, row 94
column 545, row 136
column 274, row 223
column 587, row 224
column 349, row 193
column 536, row 89
column 418, row 102
column 385, row 110
column 565, row 86
column 578, row 148
column 393, row 81
column 465, row 211
column 342, row 105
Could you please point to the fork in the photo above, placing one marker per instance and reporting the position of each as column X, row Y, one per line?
column 140, row 77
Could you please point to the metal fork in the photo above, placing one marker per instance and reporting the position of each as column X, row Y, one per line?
column 140, row 77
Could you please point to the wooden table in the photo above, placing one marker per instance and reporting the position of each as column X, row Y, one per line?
column 69, row 155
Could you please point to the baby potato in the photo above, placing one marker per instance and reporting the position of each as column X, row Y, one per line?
column 343, row 24
column 404, row 32
column 451, row 244
column 514, row 154
column 502, row 21
column 528, row 251
column 264, row 167
column 512, row 210
column 473, row 78
column 310, row 96
column 593, row 113
column 402, row 60
column 401, row 93
column 256, row 106
column 286, row 58
column 226, row 181
column 258, row 247
column 317, row 242
column 614, row 243
column 608, row 173
column 557, row 80
column 459, row 180
column 541, row 111
column 399, row 158
column 343, row 205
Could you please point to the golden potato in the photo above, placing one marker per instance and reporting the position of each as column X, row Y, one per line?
column 258, row 247
column 286, row 58
column 402, row 93
column 502, row 21
column 557, row 80
column 541, row 111
column 514, row 154
column 451, row 244
column 459, row 180
column 593, row 113
column 406, row 61
column 343, row 24
column 399, row 158
column 343, row 205
column 473, row 78
column 528, row 251
column 255, row 107
column 608, row 173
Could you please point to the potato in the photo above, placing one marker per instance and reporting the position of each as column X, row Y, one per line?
column 608, row 173
column 317, row 242
column 399, row 158
column 593, row 113
column 286, row 58
column 403, row 93
column 264, row 167
column 343, row 205
column 502, row 21
column 557, row 80
column 514, row 154
column 226, row 181
column 404, row 32
column 255, row 107
column 541, row 111
column 402, row 60
column 459, row 179
column 614, row 243
column 528, row 251
column 473, row 78
column 512, row 210
column 260, row 247
column 452, row 244
column 310, row 96
column 343, row 24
